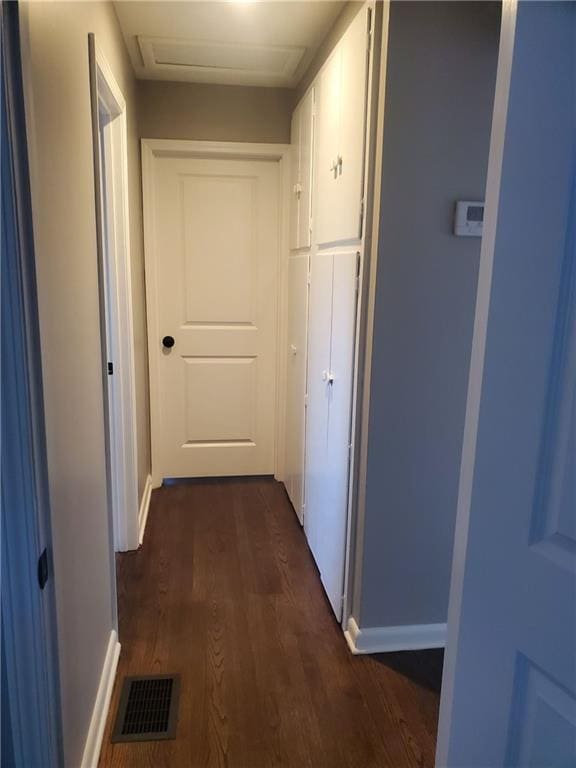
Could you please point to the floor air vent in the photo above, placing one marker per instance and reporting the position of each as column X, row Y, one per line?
column 148, row 708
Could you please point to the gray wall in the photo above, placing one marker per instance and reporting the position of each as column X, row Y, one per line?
column 55, row 58
column 214, row 112
column 442, row 59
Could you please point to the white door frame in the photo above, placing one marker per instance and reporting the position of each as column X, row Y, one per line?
column 280, row 153
column 116, row 301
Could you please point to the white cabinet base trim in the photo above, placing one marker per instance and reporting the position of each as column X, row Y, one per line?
column 385, row 639
column 101, row 705
column 144, row 507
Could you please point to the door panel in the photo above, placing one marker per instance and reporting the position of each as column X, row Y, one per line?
column 319, row 333
column 333, row 514
column 296, row 379
column 295, row 178
column 348, row 189
column 216, row 241
column 306, row 153
column 509, row 690
column 211, row 248
column 327, row 148
column 331, row 356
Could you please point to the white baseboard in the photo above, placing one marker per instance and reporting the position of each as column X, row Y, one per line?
column 144, row 507
column 102, row 704
column 386, row 639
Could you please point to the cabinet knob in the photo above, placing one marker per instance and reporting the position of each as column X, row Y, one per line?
column 328, row 377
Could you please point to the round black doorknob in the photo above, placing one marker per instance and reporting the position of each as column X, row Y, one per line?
column 168, row 342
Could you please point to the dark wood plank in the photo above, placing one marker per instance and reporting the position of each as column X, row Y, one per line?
column 226, row 593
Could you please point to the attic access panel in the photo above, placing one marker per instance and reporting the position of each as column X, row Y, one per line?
column 233, row 59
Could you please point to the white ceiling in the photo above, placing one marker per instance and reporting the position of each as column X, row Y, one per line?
column 263, row 42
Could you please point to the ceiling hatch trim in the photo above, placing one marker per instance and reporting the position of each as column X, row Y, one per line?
column 164, row 54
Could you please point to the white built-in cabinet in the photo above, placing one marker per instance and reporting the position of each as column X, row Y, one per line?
column 340, row 142
column 302, row 146
column 328, row 140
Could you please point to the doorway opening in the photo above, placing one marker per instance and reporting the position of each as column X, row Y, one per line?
column 113, row 238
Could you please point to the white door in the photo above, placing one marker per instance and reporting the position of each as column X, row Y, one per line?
column 306, row 141
column 302, row 138
column 348, row 191
column 215, row 240
column 327, row 147
column 332, row 333
column 295, row 179
column 509, row 690
column 296, row 379
column 341, row 136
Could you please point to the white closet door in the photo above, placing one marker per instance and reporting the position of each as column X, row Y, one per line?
column 306, row 144
column 319, row 332
column 347, row 195
column 327, row 148
column 331, row 554
column 295, row 179
column 330, row 376
column 296, row 379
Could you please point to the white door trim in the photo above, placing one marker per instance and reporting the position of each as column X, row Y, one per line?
column 497, row 146
column 115, row 260
column 373, row 159
column 281, row 153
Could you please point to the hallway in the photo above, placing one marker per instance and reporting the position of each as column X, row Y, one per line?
column 224, row 591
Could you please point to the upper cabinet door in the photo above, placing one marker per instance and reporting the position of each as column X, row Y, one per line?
column 295, row 179
column 306, row 151
column 327, row 146
column 341, row 129
column 302, row 134
column 353, row 87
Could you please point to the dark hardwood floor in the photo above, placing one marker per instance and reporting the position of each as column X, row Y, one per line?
column 225, row 592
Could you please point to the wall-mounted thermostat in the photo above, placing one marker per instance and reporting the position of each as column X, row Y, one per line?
column 469, row 219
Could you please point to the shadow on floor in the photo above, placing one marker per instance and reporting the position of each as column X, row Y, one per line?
column 421, row 667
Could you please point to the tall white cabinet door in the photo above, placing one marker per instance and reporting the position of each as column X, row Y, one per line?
column 347, row 198
column 327, row 147
column 333, row 513
column 306, row 148
column 320, row 325
column 295, row 180
column 296, row 379
column 330, row 375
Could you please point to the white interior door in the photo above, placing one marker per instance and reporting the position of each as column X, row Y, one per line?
column 215, row 245
column 332, row 335
column 509, row 689
column 296, row 379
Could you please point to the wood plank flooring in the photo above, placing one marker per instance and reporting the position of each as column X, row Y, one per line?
column 225, row 592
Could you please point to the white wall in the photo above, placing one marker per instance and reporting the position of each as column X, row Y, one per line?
column 441, row 71
column 60, row 138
